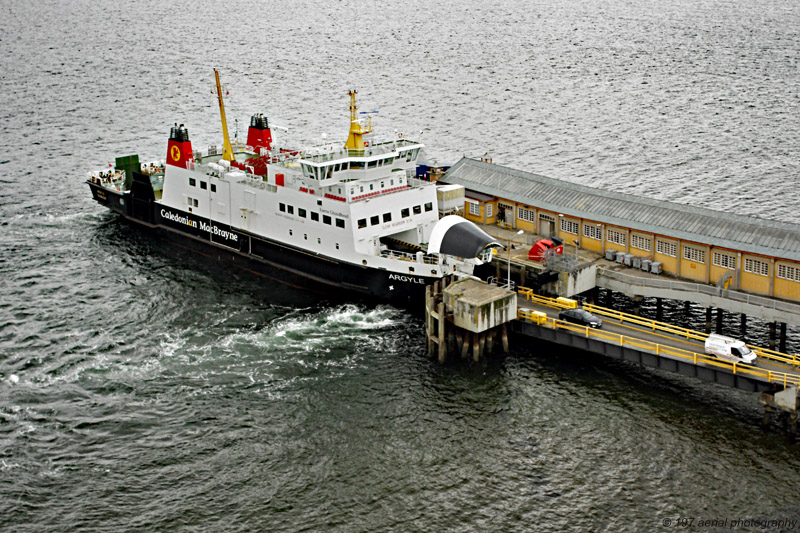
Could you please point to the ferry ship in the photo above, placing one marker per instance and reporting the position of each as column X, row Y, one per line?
column 352, row 216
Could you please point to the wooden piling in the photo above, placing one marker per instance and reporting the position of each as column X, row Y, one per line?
column 442, row 327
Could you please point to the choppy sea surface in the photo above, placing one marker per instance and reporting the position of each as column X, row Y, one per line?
column 145, row 388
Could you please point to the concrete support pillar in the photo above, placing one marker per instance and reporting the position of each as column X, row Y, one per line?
column 609, row 300
column 708, row 320
column 637, row 304
column 687, row 308
column 719, row 320
column 782, row 338
column 772, row 328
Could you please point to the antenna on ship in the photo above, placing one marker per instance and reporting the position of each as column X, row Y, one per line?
column 227, row 151
column 355, row 141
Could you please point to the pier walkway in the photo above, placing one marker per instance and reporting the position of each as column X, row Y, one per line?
column 654, row 344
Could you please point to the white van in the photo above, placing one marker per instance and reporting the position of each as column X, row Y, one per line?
column 729, row 349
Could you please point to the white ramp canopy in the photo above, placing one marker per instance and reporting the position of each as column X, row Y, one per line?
column 459, row 237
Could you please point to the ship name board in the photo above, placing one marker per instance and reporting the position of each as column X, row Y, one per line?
column 407, row 279
column 209, row 228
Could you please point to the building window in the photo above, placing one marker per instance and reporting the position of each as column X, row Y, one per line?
column 362, row 223
column 616, row 237
column 489, row 210
column 301, row 212
column 694, row 254
column 569, row 226
column 547, row 218
column 428, row 207
column 213, row 188
column 387, row 217
column 282, row 208
column 754, row 266
column 641, row 243
column 792, row 273
column 314, row 216
column 474, row 208
column 192, row 182
column 528, row 215
column 667, row 248
column 203, row 185
column 593, row 232
column 326, row 219
column 724, row 260
column 405, row 213
column 374, row 220
column 339, row 222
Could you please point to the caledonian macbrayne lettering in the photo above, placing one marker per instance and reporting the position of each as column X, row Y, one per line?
column 204, row 226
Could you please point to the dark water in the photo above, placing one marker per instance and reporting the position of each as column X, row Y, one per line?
column 143, row 388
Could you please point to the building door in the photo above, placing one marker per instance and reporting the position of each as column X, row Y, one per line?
column 547, row 225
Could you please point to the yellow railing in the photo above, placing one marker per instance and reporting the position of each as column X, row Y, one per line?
column 654, row 326
column 658, row 349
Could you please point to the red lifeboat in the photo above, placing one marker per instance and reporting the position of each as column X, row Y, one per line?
column 540, row 248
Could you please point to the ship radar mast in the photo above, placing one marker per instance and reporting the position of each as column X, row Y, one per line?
column 227, row 151
column 355, row 141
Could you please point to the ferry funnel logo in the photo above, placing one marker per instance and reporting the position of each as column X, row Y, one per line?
column 175, row 153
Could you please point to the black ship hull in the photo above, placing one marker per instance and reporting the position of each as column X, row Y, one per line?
column 264, row 257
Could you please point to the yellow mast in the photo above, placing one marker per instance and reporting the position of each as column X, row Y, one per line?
column 227, row 151
column 355, row 140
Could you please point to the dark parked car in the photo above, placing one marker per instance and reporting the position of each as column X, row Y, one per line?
column 580, row 316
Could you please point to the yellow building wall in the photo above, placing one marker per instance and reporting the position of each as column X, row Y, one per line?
column 473, row 218
column 752, row 282
column 492, row 219
column 692, row 269
column 669, row 264
column 785, row 288
column 718, row 271
column 568, row 237
column 528, row 227
column 588, row 242
column 613, row 245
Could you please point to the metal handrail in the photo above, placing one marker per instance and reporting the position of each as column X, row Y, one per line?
column 623, row 340
column 654, row 325
column 711, row 290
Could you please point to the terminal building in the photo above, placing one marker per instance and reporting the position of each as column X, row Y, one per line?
column 739, row 252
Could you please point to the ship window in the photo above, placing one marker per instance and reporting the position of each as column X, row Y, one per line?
column 301, row 212
column 195, row 202
column 382, row 185
column 337, row 245
column 362, row 223
column 339, row 223
column 428, row 207
column 361, row 188
column 189, row 200
column 319, row 241
column 315, row 216
column 290, row 233
column 305, row 236
column 339, row 189
column 326, row 219
column 371, row 186
column 417, row 209
column 290, row 209
column 213, row 188
column 391, row 182
column 374, row 220
column 203, row 185
column 405, row 213
column 411, row 270
column 371, row 164
column 387, row 217
column 356, row 165
column 192, row 182
column 282, row 208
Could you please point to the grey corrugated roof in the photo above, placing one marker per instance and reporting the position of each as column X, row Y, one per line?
column 737, row 232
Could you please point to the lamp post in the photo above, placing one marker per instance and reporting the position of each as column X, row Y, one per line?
column 520, row 232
